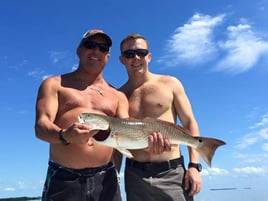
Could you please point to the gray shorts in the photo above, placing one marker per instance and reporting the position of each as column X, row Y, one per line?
column 156, row 181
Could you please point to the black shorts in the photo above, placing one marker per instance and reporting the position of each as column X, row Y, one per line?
column 89, row 184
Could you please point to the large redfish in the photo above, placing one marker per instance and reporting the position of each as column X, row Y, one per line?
column 127, row 134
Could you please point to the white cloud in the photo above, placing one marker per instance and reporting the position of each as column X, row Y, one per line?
column 259, row 133
column 36, row 73
column 22, row 185
column 264, row 133
column 39, row 74
column 8, row 189
column 251, row 170
column 250, row 158
column 265, row 147
column 57, row 56
column 247, row 140
column 193, row 42
column 214, row 171
column 263, row 122
column 243, row 47
column 258, row 137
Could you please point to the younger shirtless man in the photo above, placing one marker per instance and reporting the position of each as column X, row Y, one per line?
column 157, row 176
column 79, row 169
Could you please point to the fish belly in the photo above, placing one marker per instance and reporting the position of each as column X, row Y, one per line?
column 130, row 138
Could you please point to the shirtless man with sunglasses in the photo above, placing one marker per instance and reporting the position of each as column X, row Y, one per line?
column 157, row 174
column 79, row 169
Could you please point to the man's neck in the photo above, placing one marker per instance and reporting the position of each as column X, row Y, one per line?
column 88, row 78
column 139, row 79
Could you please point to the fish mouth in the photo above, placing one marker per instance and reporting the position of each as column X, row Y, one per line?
column 102, row 135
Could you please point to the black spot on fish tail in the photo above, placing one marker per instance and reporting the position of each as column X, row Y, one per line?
column 207, row 147
column 102, row 135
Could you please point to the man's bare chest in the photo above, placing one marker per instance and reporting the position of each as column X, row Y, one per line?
column 90, row 99
column 149, row 102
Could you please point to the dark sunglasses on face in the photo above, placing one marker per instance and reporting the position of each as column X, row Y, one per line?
column 131, row 53
column 92, row 45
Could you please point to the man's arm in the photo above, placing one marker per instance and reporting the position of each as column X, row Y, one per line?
column 46, row 111
column 186, row 116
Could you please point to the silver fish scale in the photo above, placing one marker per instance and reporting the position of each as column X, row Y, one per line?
column 129, row 130
column 136, row 130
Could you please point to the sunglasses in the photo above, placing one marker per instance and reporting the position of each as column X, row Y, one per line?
column 103, row 47
column 131, row 53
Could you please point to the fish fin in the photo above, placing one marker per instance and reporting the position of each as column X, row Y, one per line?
column 207, row 147
column 126, row 152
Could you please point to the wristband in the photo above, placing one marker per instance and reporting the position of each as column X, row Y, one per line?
column 197, row 166
column 63, row 141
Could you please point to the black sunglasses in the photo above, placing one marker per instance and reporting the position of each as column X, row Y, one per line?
column 103, row 47
column 131, row 53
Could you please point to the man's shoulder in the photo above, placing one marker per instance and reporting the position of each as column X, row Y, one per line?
column 166, row 78
column 57, row 81
column 52, row 79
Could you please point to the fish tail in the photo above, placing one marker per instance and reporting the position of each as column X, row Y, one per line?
column 207, row 148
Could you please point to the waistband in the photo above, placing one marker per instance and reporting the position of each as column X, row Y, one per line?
column 82, row 172
column 160, row 166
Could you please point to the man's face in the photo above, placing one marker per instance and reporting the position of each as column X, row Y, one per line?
column 135, row 55
column 94, row 51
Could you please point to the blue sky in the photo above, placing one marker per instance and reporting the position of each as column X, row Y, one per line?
column 218, row 49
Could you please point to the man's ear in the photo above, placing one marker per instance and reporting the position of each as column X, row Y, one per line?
column 149, row 57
